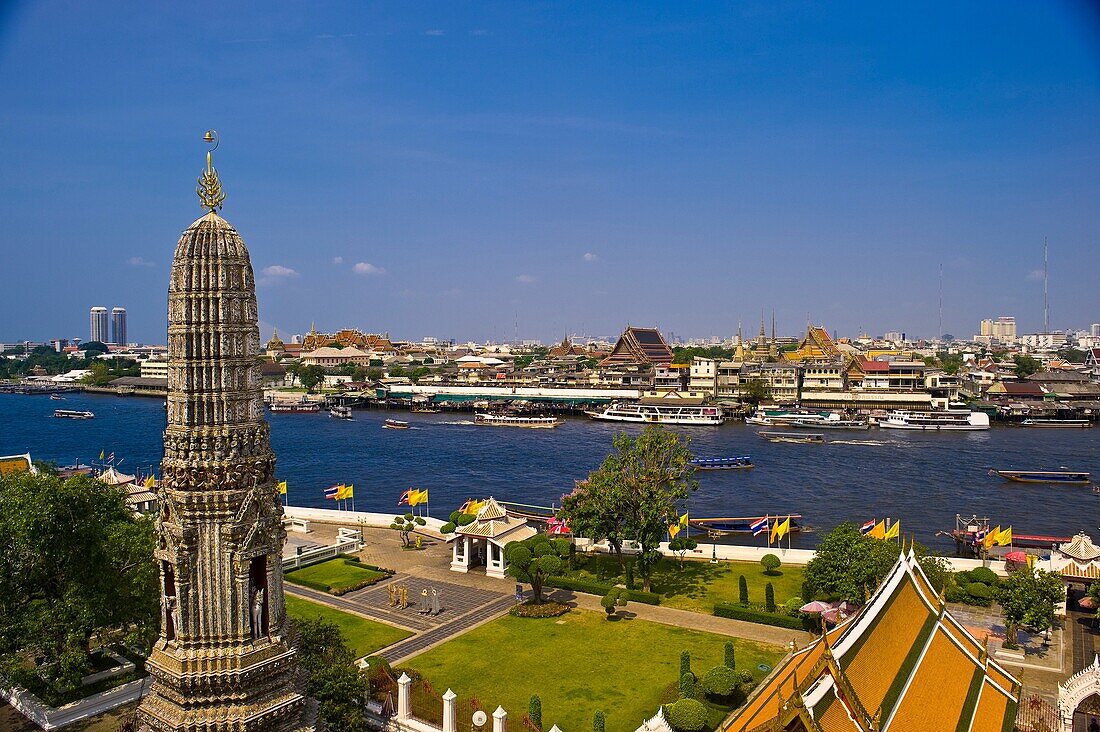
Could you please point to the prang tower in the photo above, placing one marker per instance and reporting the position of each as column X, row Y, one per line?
column 226, row 657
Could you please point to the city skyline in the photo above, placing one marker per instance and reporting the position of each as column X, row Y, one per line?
column 474, row 174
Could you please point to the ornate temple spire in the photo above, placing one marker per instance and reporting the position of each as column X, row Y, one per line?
column 210, row 187
column 226, row 656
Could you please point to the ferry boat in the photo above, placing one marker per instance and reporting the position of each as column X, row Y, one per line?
column 833, row 422
column 72, row 414
column 947, row 420
column 722, row 463
column 1055, row 423
column 295, row 407
column 509, row 420
column 395, row 424
column 340, row 411
column 57, row 397
column 806, row 438
column 1044, row 476
column 781, row 417
column 660, row 414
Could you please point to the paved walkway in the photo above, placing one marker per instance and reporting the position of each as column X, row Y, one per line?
column 419, row 643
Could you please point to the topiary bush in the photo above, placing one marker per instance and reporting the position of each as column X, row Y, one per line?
column 685, row 663
column 720, row 681
column 793, row 605
column 963, row 578
column 534, row 710
column 769, row 598
column 598, row 721
column 980, row 594
column 742, row 590
column 630, row 575
column 465, row 519
column 687, row 685
column 687, row 715
column 615, row 597
column 770, row 563
column 447, row 528
column 730, row 660
column 985, row 575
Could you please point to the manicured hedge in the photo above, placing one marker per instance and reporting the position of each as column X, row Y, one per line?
column 319, row 586
column 752, row 615
column 598, row 588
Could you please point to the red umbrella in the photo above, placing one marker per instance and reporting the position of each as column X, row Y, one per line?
column 1087, row 603
column 1017, row 556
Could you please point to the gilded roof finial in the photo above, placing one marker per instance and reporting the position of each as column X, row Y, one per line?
column 210, row 188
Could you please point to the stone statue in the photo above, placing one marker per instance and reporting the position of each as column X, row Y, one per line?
column 424, row 605
column 404, row 596
column 258, row 614
column 391, row 591
column 435, row 602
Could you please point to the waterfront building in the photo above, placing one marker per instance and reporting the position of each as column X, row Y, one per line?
column 902, row 662
column 640, row 346
column 118, row 326
column 330, row 357
column 154, row 368
column 782, row 379
column 98, row 330
column 226, row 657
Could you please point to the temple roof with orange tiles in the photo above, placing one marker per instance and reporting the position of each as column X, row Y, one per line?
column 818, row 345
column 902, row 663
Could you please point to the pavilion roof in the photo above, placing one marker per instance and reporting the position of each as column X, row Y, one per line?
column 1080, row 548
column 111, row 476
column 902, row 663
column 493, row 522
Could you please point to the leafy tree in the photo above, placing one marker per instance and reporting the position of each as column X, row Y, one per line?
column 534, row 710
column 397, row 371
column 406, row 525
column 77, row 564
column 534, row 560
column 374, row 374
column 720, row 681
column 1027, row 600
column 418, row 373
column 754, row 391
column 742, row 590
column 334, row 681
column 310, row 376
column 771, row 564
column 729, row 658
column 769, row 598
column 94, row 347
column 1026, row 365
column 615, row 597
column 598, row 509
column 682, row 545
column 649, row 474
column 848, row 565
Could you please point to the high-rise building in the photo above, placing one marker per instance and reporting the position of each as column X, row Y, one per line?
column 1094, row 330
column 226, row 658
column 118, row 326
column 98, row 330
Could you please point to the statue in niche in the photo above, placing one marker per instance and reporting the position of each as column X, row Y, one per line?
column 257, row 614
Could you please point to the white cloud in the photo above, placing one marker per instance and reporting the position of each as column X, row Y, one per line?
column 525, row 279
column 337, row 260
column 1035, row 274
column 278, row 270
column 139, row 262
column 435, row 32
column 366, row 268
column 589, row 257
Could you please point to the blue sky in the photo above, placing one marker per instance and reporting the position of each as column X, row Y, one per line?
column 456, row 169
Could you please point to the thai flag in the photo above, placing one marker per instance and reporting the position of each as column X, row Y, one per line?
column 331, row 492
column 979, row 535
column 867, row 526
column 404, row 499
column 759, row 526
column 111, row 458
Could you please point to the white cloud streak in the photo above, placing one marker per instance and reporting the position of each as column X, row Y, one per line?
column 366, row 269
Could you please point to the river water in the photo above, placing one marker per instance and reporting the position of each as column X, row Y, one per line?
column 922, row 478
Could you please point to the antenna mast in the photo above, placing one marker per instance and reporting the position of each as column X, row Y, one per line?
column 939, row 336
column 1046, row 276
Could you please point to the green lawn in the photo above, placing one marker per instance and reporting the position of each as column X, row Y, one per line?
column 336, row 573
column 579, row 663
column 363, row 636
column 700, row 584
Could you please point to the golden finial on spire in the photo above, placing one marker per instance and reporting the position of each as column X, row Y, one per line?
column 210, row 188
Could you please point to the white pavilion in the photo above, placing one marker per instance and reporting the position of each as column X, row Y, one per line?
column 482, row 541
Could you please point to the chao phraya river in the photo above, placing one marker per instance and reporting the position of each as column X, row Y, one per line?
column 923, row 478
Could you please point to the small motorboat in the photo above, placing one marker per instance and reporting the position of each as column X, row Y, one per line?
column 72, row 414
column 395, row 424
column 801, row 438
column 722, row 463
column 1057, row 423
column 1072, row 477
column 57, row 397
column 340, row 411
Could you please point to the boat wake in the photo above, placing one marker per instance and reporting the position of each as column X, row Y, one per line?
column 461, row 422
column 861, row 442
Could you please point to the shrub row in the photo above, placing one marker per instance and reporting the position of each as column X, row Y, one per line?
column 542, row 610
column 598, row 588
column 319, row 586
column 753, row 615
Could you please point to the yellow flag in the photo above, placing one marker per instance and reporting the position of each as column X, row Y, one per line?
column 150, row 482
column 781, row 529
column 416, row 497
column 1005, row 537
column 674, row 529
column 991, row 538
column 1031, row 561
column 879, row 532
column 893, row 531
column 349, row 491
column 684, row 521
column 424, row 496
column 102, row 454
column 282, row 487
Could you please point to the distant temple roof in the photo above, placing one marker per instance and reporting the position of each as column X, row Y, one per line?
column 902, row 663
column 640, row 345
